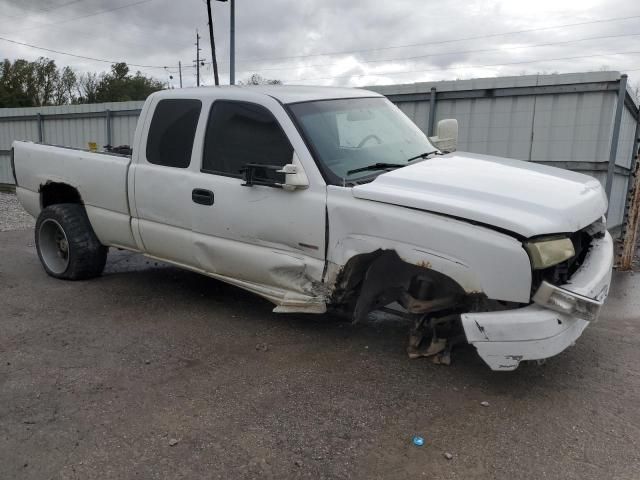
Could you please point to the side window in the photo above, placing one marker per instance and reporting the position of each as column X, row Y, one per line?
column 171, row 133
column 239, row 133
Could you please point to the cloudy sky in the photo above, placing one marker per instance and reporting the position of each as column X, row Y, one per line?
column 333, row 42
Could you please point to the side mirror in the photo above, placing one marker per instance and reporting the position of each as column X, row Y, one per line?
column 288, row 177
column 447, row 138
column 295, row 177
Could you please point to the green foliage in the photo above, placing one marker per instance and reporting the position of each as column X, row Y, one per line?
column 257, row 79
column 41, row 83
column 117, row 86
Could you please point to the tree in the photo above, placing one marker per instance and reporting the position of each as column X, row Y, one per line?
column 87, row 88
column 120, row 86
column 257, row 79
column 45, row 81
column 16, row 84
column 64, row 92
column 41, row 83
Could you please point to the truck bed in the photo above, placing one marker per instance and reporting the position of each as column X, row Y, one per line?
column 100, row 178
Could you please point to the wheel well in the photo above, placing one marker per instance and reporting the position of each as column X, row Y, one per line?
column 54, row 192
column 372, row 280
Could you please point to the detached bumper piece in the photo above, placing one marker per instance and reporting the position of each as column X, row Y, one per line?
column 552, row 323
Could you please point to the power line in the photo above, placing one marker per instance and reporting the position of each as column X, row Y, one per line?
column 50, row 9
column 459, row 52
column 440, row 42
column 60, row 52
column 461, row 67
column 60, row 5
column 66, row 20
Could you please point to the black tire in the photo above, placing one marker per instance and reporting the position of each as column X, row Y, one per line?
column 66, row 243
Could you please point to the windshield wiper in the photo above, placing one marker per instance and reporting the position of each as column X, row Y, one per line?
column 423, row 155
column 376, row 166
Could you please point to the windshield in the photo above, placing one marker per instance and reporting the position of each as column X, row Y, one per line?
column 352, row 133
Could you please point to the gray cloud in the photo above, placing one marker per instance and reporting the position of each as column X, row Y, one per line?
column 162, row 32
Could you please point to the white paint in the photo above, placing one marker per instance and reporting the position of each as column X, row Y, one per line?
column 477, row 258
column 521, row 197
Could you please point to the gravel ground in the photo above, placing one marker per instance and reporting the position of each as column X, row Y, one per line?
column 153, row 372
column 12, row 215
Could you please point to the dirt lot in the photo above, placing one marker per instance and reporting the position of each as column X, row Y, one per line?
column 100, row 379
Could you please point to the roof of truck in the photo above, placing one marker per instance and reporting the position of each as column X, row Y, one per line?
column 282, row 93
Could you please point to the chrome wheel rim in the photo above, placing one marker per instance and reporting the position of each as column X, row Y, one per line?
column 54, row 246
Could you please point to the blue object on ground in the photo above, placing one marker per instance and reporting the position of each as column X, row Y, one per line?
column 418, row 441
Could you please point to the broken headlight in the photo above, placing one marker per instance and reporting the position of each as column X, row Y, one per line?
column 548, row 252
column 570, row 303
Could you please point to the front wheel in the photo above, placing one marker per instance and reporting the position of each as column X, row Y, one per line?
column 67, row 245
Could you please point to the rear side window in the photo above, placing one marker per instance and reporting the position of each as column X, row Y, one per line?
column 239, row 133
column 172, row 130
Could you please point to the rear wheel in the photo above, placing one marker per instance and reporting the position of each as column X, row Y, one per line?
column 67, row 245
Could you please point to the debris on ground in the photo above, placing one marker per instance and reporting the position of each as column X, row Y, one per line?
column 443, row 358
column 262, row 347
column 484, row 404
column 448, row 456
column 173, row 442
column 418, row 441
column 417, row 349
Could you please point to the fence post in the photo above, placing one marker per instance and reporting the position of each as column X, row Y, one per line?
column 432, row 112
column 615, row 135
column 108, row 121
column 40, row 121
column 632, row 209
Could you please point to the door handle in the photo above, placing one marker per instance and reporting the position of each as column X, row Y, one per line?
column 202, row 196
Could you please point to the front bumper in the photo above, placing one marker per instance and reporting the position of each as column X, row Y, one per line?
column 504, row 338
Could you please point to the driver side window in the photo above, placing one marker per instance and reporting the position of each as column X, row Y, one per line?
column 239, row 133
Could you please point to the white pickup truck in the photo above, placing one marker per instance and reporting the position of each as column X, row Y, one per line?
column 327, row 199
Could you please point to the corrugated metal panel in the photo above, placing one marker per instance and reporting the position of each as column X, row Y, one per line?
column 122, row 130
column 72, row 132
column 5, row 170
column 542, row 118
column 572, row 127
column 625, row 141
column 61, row 109
column 497, row 126
column 23, row 130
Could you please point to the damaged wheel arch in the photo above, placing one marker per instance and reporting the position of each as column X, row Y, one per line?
column 370, row 281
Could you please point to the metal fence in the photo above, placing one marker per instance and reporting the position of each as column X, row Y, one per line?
column 67, row 125
column 584, row 122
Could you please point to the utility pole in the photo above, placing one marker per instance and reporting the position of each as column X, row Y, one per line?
column 180, row 72
column 213, row 45
column 232, row 44
column 197, row 60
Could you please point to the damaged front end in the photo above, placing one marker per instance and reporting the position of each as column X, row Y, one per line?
column 566, row 299
column 431, row 302
column 442, row 314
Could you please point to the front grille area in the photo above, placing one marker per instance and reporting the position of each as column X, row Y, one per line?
column 561, row 273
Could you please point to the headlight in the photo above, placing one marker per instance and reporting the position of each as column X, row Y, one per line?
column 549, row 252
column 570, row 303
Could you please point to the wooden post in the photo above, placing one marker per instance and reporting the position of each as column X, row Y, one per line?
column 630, row 238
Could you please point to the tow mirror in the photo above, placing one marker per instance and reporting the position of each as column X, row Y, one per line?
column 447, row 138
column 288, row 177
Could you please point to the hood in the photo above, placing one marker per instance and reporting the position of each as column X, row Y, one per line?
column 522, row 197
